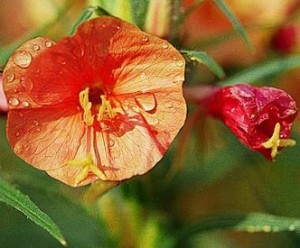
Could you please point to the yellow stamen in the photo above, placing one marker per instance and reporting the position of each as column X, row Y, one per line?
column 105, row 109
column 88, row 118
column 87, row 165
column 274, row 142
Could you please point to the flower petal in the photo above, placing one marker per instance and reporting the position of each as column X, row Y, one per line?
column 45, row 138
column 252, row 113
column 151, row 133
column 16, row 82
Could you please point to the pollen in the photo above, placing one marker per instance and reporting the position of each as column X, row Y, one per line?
column 87, row 164
column 275, row 142
column 88, row 118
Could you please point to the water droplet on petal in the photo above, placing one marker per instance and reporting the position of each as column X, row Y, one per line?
column 145, row 38
column 25, row 104
column 17, row 134
column 13, row 101
column 146, row 102
column 79, row 51
column 152, row 121
column 48, row 43
column 117, row 27
column 111, row 142
column 169, row 104
column 35, row 47
column 10, row 77
column 179, row 63
column 103, row 25
column 35, row 122
column 165, row 45
column 26, row 145
column 22, row 59
column 38, row 129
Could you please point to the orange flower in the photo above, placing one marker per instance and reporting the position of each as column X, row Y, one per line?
column 104, row 104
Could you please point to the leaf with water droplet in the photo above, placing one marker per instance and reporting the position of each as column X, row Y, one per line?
column 251, row 222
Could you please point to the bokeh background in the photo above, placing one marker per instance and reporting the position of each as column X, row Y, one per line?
column 206, row 173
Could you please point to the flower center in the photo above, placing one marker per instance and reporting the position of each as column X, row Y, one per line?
column 275, row 142
column 94, row 103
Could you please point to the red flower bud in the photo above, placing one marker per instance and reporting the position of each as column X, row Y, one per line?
column 285, row 39
column 261, row 117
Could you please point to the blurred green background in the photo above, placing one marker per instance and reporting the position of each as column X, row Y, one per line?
column 208, row 187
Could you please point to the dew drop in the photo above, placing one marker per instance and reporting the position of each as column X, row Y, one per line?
column 38, row 129
column 22, row 59
column 48, row 44
column 10, row 77
column 35, row 47
column 152, row 121
column 179, row 63
column 103, row 25
column 13, row 101
column 17, row 134
column 79, row 51
column 27, row 84
column 25, row 104
column 146, row 102
column 111, row 142
column 118, row 27
column 35, row 122
column 26, row 145
column 165, row 45
column 169, row 104
column 145, row 38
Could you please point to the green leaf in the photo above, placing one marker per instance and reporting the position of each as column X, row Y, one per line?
column 264, row 70
column 203, row 58
column 118, row 8
column 235, row 22
column 16, row 199
column 253, row 222
column 86, row 14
